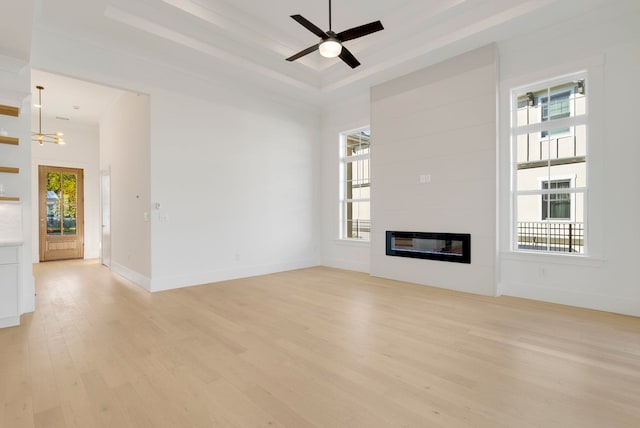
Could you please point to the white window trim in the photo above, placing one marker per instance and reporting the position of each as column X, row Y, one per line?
column 342, row 182
column 515, row 130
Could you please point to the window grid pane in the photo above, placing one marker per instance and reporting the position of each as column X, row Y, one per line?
column 548, row 158
column 355, row 211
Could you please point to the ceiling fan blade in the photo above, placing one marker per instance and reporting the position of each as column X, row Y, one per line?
column 348, row 57
column 363, row 30
column 310, row 26
column 303, row 52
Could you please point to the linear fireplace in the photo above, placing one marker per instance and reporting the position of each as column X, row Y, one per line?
column 448, row 247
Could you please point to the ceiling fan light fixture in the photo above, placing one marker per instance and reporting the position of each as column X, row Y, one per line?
column 330, row 45
column 330, row 48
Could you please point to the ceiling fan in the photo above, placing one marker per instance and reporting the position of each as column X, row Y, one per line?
column 330, row 45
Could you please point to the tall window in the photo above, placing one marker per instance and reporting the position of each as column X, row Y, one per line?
column 549, row 164
column 355, row 218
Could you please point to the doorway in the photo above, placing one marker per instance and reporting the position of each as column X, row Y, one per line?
column 61, row 213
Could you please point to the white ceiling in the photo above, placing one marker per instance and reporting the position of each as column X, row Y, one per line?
column 248, row 40
column 15, row 34
column 65, row 98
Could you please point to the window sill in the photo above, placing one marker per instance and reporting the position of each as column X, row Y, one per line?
column 561, row 259
column 353, row 242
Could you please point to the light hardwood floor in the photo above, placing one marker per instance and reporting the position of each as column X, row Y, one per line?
column 310, row 348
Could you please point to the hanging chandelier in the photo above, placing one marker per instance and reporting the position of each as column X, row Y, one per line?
column 42, row 137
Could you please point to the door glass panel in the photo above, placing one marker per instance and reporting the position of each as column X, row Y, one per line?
column 53, row 203
column 53, row 214
column 69, row 220
column 69, row 189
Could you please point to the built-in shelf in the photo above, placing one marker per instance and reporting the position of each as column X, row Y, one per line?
column 9, row 140
column 9, row 110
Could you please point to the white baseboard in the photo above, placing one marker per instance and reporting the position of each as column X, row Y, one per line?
column 28, row 302
column 600, row 302
column 133, row 276
column 9, row 322
column 170, row 283
column 347, row 265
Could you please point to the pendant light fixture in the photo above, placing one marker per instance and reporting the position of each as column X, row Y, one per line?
column 42, row 137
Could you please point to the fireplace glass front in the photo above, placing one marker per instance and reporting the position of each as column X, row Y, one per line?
column 450, row 247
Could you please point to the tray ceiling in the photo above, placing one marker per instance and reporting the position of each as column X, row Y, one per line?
column 249, row 39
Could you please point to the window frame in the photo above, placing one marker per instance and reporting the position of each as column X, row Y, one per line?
column 344, row 161
column 572, row 122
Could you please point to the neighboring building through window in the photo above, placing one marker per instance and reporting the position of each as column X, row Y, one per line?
column 549, row 164
column 355, row 212
column 556, row 206
column 558, row 108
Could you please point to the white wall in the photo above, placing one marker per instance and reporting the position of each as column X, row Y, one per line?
column 344, row 116
column 14, row 91
column 237, row 185
column 125, row 152
column 439, row 121
column 15, row 76
column 235, row 171
column 605, row 43
column 80, row 151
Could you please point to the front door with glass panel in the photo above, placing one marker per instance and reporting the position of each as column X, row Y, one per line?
column 61, row 213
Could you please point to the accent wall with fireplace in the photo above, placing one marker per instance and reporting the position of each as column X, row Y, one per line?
column 438, row 123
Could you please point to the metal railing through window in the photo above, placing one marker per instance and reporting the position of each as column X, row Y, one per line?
column 563, row 237
column 359, row 229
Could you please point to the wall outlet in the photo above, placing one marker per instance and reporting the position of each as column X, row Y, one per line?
column 424, row 178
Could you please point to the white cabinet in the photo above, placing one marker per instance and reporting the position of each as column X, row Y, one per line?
column 9, row 286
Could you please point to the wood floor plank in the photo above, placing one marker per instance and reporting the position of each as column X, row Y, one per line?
column 310, row 348
column 15, row 381
column 42, row 378
column 106, row 410
column 51, row 418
